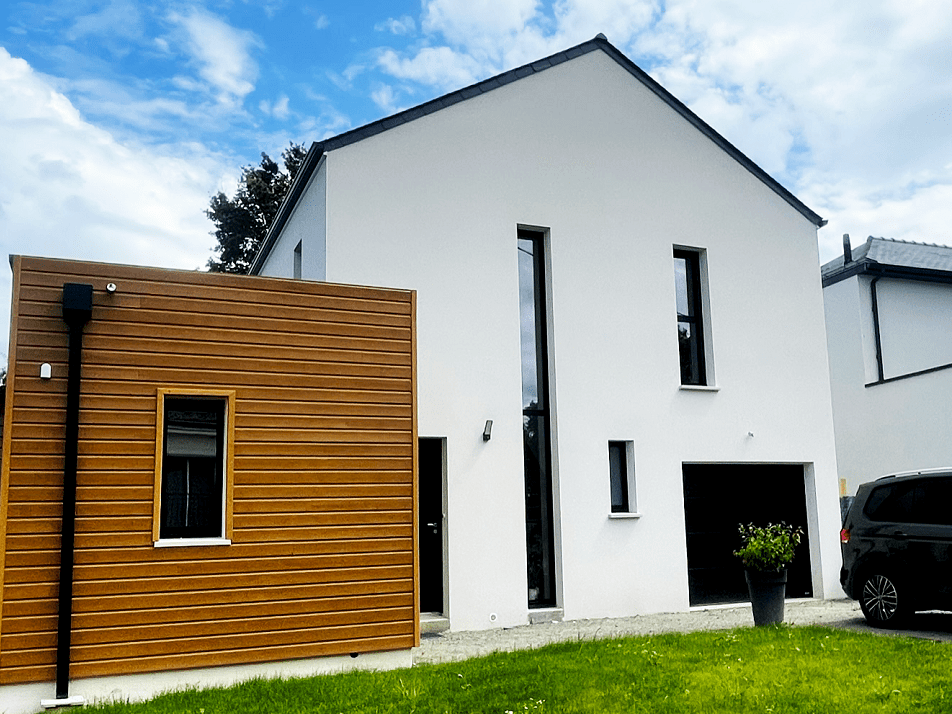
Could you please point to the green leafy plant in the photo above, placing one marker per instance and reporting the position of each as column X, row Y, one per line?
column 768, row 548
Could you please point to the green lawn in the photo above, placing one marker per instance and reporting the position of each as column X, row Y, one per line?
column 771, row 669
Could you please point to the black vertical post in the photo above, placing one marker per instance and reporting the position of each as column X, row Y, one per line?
column 77, row 309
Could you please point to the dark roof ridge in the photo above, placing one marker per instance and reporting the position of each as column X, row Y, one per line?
column 893, row 257
column 459, row 95
column 599, row 42
column 910, row 242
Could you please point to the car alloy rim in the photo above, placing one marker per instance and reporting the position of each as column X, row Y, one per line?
column 880, row 598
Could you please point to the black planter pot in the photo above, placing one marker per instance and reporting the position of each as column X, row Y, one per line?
column 767, row 593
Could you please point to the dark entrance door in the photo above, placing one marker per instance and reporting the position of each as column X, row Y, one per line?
column 718, row 497
column 430, row 484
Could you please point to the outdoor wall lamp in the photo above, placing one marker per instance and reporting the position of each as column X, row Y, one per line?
column 488, row 430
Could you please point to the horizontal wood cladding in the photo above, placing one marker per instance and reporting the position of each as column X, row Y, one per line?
column 322, row 556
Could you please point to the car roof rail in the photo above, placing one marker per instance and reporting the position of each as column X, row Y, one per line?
column 919, row 472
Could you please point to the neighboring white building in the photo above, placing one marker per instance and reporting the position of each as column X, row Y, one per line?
column 571, row 229
column 888, row 314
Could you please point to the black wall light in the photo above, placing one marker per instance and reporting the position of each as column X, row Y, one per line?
column 488, row 430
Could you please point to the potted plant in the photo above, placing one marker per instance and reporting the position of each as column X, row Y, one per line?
column 766, row 553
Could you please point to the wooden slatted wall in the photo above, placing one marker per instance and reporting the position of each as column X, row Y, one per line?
column 322, row 560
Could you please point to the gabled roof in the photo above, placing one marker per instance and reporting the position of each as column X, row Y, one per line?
column 892, row 258
column 598, row 43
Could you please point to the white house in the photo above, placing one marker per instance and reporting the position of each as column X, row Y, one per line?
column 888, row 311
column 621, row 345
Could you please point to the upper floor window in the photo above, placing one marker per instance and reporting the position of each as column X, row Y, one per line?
column 688, row 293
column 298, row 254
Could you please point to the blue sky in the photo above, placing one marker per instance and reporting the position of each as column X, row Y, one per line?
column 120, row 119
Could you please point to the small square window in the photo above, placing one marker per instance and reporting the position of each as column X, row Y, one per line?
column 622, row 476
column 193, row 468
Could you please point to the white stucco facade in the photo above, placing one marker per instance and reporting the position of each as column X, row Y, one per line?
column 896, row 420
column 616, row 180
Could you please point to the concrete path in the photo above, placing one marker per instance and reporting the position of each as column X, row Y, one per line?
column 454, row 646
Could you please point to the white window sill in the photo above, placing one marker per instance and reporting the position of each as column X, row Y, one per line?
column 699, row 388
column 624, row 516
column 190, row 542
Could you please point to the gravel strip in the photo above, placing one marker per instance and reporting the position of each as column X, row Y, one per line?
column 455, row 646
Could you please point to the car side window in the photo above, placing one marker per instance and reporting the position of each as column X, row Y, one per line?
column 926, row 501
column 895, row 502
column 937, row 501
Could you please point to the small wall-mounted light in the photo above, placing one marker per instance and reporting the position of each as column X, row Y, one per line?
column 488, row 430
column 111, row 288
column 46, row 371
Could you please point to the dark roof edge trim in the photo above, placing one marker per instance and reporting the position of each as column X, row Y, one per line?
column 487, row 85
column 711, row 133
column 306, row 170
column 598, row 42
column 880, row 270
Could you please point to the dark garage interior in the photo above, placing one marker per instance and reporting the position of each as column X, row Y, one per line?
column 718, row 497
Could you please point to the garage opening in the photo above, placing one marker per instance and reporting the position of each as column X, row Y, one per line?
column 717, row 497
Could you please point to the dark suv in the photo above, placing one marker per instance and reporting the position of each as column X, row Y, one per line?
column 897, row 546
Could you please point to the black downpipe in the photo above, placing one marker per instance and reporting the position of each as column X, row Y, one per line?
column 874, row 299
column 77, row 309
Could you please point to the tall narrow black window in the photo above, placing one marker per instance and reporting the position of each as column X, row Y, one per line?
column 687, row 283
column 540, row 539
column 193, row 468
column 298, row 254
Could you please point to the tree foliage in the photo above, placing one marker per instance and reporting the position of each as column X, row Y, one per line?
column 242, row 222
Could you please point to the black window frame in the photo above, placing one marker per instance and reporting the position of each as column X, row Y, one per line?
column 691, row 344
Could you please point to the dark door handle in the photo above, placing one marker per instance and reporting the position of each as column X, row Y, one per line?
column 434, row 526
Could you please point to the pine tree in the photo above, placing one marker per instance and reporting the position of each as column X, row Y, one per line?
column 242, row 222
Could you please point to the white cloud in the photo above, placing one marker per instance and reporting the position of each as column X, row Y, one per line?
column 279, row 109
column 329, row 123
column 222, row 52
column 321, row 22
column 618, row 20
column 485, row 37
column 120, row 18
column 73, row 191
column 848, row 105
column 918, row 213
column 404, row 25
column 385, row 97
column 434, row 66
column 464, row 22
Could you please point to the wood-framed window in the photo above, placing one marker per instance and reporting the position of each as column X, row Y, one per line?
column 192, row 500
column 689, row 296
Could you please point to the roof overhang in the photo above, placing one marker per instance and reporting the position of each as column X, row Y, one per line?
column 599, row 42
column 311, row 161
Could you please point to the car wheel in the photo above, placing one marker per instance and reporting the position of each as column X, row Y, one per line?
column 881, row 600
